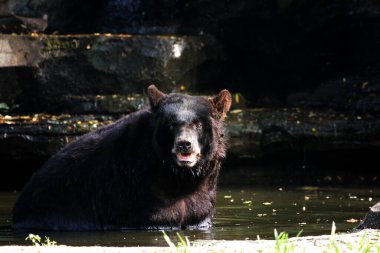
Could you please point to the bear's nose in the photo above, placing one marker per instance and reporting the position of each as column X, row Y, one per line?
column 184, row 146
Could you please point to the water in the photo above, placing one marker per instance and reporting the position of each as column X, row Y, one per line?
column 241, row 214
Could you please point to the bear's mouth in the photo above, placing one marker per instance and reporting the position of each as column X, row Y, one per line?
column 188, row 159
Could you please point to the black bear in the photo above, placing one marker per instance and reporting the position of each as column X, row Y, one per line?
column 154, row 168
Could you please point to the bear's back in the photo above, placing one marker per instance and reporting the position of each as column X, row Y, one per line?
column 99, row 167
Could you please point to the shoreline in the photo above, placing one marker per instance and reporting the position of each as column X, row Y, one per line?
column 347, row 242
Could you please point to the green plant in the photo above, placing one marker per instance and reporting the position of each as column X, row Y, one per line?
column 4, row 107
column 282, row 244
column 37, row 241
column 183, row 244
column 332, row 247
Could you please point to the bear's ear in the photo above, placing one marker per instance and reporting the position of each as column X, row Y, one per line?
column 222, row 103
column 154, row 96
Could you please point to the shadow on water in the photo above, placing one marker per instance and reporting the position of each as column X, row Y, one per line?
column 242, row 213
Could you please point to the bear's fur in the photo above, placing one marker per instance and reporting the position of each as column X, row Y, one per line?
column 154, row 168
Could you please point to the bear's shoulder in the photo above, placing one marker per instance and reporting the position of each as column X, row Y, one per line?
column 127, row 125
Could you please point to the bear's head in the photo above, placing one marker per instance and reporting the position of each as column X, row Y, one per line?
column 188, row 131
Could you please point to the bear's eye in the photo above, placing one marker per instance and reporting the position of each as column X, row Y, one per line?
column 197, row 124
column 172, row 125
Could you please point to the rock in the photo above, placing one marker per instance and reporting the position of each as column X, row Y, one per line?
column 357, row 94
column 9, row 24
column 57, row 67
column 4, row 9
column 372, row 219
column 253, row 133
column 36, row 25
column 338, row 94
column 368, row 105
column 369, row 96
column 83, row 13
column 273, row 48
column 101, row 104
column 121, row 15
column 42, row 135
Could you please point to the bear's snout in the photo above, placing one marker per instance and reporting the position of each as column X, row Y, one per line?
column 186, row 149
column 184, row 146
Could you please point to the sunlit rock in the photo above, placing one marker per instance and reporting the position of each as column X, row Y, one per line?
column 57, row 67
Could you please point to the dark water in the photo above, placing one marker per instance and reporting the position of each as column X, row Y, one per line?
column 241, row 213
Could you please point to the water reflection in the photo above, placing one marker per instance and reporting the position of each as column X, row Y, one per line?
column 241, row 214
